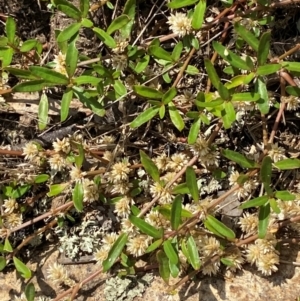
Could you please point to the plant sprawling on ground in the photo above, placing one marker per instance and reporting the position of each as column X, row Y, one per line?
column 177, row 93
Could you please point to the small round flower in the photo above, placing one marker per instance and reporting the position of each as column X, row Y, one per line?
column 120, row 188
column 20, row 298
column 254, row 253
column 90, row 191
column 119, row 62
column 100, row 255
column 180, row 24
column 13, row 220
column 276, row 153
column 107, row 156
column 248, row 223
column 164, row 195
column 138, row 245
column 211, row 268
column 237, row 260
column 210, row 159
column 62, row 145
column 107, row 139
column 233, row 178
column 177, row 162
column 109, row 239
column 200, row 147
column 30, row 150
column 157, row 220
column 57, row 273
column 128, row 227
column 10, row 205
column 57, row 162
column 267, row 263
column 121, row 44
column 76, row 174
column 119, row 172
column 60, row 63
column 209, row 246
column 292, row 102
column 161, row 162
column 122, row 207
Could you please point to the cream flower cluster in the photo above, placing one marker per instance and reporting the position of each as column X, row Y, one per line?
column 180, row 24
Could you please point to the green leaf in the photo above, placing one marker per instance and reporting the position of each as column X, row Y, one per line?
column 56, row 189
column 162, row 112
column 210, row 104
column 3, row 41
column 263, row 48
column 20, row 191
column 6, row 56
column 77, row 196
column 176, row 53
column 176, row 212
column 198, row 15
column 229, row 56
column 71, row 58
column 2, row 263
column 119, row 88
column 295, row 91
column 212, row 73
column 160, row 53
column 43, row 112
column 287, row 164
column 117, row 23
column 175, row 116
column 263, row 102
column 292, row 66
column 7, row 246
column 239, row 80
column 191, row 181
column 129, row 10
column 68, row 32
column 239, row 159
column 223, row 91
column 84, row 7
column 65, row 104
column 24, row 74
column 247, row 36
column 268, row 69
column 285, row 195
column 145, row 227
column 87, row 23
column 42, row 178
column 142, row 64
column 192, row 70
column 104, row 37
column 194, row 131
column 28, row 45
column 49, row 75
column 181, row 189
column 87, row 79
column 10, row 28
column 163, row 265
column 220, row 227
column 144, row 117
column 174, row 269
column 227, row 262
column 255, row 202
column 245, row 96
column 266, row 173
column 193, row 254
column 149, row 166
column 148, row 92
column 70, row 10
column 30, row 292
column 80, row 158
column 274, row 205
column 22, row 268
column 181, row 3
column 30, row 86
column 154, row 245
column 169, row 95
column 263, row 217
column 115, row 251
column 229, row 116
column 170, row 251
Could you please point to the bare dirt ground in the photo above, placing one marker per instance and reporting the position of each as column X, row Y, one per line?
column 19, row 126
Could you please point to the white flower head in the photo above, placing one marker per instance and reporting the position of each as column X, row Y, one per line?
column 31, row 151
column 60, row 63
column 180, row 24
